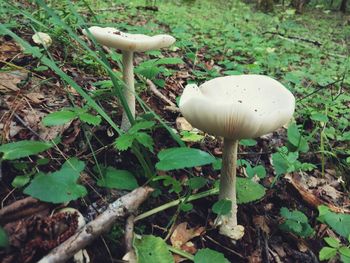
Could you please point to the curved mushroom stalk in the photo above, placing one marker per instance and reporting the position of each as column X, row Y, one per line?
column 236, row 107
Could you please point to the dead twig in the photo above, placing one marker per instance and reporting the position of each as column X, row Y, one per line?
column 129, row 237
column 121, row 207
column 314, row 42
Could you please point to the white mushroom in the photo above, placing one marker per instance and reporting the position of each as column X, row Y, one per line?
column 41, row 38
column 129, row 43
column 236, row 107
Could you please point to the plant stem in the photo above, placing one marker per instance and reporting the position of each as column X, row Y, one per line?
column 158, row 209
column 129, row 90
column 181, row 252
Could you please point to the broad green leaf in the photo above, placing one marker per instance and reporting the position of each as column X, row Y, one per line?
column 182, row 157
column 333, row 242
column 280, row 163
column 344, row 258
column 209, row 256
column 248, row 191
column 141, row 126
column 296, row 139
column 327, row 253
column 247, row 142
column 16, row 150
column 59, row 117
column 222, row 207
column 188, row 136
column 169, row 61
column 258, row 170
column 119, row 179
column 60, row 186
column 196, row 182
column 345, row 251
column 3, row 238
column 319, row 117
column 338, row 222
column 90, row 119
column 152, row 249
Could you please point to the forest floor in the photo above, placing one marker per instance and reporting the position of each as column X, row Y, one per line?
column 301, row 166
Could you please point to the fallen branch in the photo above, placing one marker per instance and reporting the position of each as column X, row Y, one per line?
column 121, row 207
column 21, row 208
column 314, row 42
column 172, row 106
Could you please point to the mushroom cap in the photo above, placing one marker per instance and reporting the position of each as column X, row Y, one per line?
column 238, row 107
column 112, row 37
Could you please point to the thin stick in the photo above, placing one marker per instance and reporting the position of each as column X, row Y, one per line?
column 103, row 223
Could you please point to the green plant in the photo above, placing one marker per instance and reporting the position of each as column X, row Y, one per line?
column 296, row 222
column 337, row 221
column 335, row 249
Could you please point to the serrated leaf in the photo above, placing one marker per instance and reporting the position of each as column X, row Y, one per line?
column 182, row 157
column 152, row 249
column 3, row 238
column 333, row 242
column 90, row 119
column 222, row 207
column 327, row 253
column 124, row 141
column 145, row 139
column 16, row 150
column 60, row 186
column 248, row 191
column 59, row 117
column 143, row 125
column 118, row 179
column 209, row 256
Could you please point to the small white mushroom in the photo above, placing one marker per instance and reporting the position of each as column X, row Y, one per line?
column 41, row 38
column 236, row 107
column 129, row 43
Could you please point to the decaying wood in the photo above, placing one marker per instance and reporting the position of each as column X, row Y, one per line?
column 312, row 199
column 172, row 106
column 21, row 208
column 129, row 237
column 121, row 207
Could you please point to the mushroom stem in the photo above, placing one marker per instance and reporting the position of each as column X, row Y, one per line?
column 129, row 90
column 229, row 226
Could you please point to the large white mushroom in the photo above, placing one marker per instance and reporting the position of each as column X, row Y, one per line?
column 236, row 107
column 128, row 44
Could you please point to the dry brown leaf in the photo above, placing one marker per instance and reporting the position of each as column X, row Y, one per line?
column 260, row 221
column 9, row 80
column 36, row 98
column 182, row 234
column 183, row 125
column 8, row 49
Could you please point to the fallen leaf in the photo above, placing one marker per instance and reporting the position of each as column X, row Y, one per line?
column 260, row 221
column 8, row 49
column 9, row 80
column 182, row 234
column 183, row 125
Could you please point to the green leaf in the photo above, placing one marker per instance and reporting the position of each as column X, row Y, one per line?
column 59, row 117
column 16, row 150
column 90, row 119
column 20, row 181
column 152, row 249
column 182, row 157
column 259, row 171
column 344, row 258
column 209, row 256
column 248, row 191
column 59, row 186
column 119, row 179
column 4, row 242
column 345, row 251
column 296, row 139
column 143, row 125
column 247, row 142
column 222, row 207
column 319, row 117
column 197, row 182
column 145, row 139
column 327, row 253
column 124, row 141
column 169, row 61
column 185, row 207
column 188, row 136
column 333, row 242
column 338, row 222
